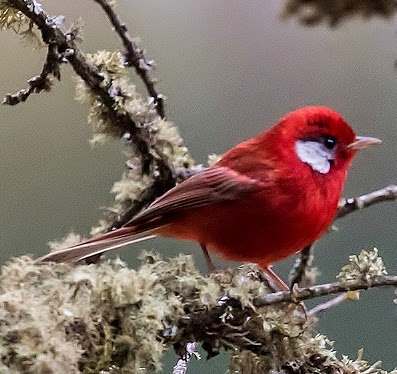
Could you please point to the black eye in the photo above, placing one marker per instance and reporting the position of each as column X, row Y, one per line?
column 330, row 142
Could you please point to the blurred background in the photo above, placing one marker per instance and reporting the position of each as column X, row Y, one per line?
column 229, row 70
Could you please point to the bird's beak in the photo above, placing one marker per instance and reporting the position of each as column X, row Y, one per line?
column 363, row 142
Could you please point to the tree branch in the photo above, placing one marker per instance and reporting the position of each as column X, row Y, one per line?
column 52, row 34
column 134, row 56
column 297, row 273
column 352, row 204
column 301, row 294
column 40, row 82
column 327, row 305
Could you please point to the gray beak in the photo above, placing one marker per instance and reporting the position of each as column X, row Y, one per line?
column 362, row 142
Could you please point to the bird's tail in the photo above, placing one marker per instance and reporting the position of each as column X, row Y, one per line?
column 97, row 246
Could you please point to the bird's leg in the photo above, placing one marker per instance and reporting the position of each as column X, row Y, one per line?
column 210, row 266
column 276, row 279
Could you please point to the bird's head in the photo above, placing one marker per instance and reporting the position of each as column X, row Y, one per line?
column 322, row 139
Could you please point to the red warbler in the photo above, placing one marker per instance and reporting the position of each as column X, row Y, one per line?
column 267, row 198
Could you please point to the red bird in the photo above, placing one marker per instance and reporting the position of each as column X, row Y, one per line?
column 267, row 198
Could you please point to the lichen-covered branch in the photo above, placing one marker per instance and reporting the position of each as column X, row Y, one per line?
column 58, row 318
column 42, row 82
column 364, row 271
column 325, row 289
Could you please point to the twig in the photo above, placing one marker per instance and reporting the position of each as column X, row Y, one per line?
column 134, row 56
column 40, row 82
column 298, row 271
column 300, row 294
column 327, row 305
column 351, row 204
column 182, row 364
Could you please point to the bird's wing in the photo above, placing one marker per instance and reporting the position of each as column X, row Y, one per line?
column 212, row 185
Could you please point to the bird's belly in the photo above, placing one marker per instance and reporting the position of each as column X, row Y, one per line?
column 246, row 232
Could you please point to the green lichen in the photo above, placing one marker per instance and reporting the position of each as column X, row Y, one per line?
column 363, row 267
column 213, row 159
column 108, row 318
column 314, row 363
column 84, row 319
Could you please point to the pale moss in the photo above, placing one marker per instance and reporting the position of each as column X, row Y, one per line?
column 58, row 318
column 32, row 332
column 130, row 186
column 209, row 294
column 102, row 226
column 171, row 143
column 246, row 286
column 110, row 63
column 213, row 159
column 316, row 355
column 111, row 68
column 13, row 19
column 363, row 267
column 108, row 318
column 126, row 99
column 68, row 241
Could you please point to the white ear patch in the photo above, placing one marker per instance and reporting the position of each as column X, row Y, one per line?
column 315, row 154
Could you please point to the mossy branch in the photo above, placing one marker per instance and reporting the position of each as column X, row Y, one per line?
column 109, row 318
column 301, row 294
column 63, row 46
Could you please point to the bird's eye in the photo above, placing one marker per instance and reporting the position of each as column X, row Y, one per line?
column 330, row 142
